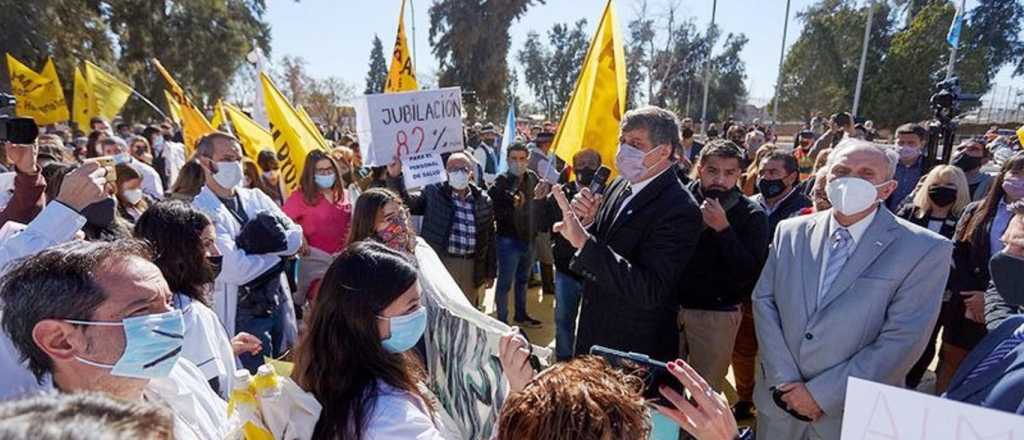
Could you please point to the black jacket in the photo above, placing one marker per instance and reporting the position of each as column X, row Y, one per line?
column 516, row 221
column 435, row 204
column 631, row 266
column 789, row 207
column 730, row 261
column 970, row 258
column 909, row 213
column 560, row 247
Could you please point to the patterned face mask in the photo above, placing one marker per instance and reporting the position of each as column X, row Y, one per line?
column 396, row 234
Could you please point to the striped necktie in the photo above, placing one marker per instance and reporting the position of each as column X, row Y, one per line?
column 841, row 243
column 996, row 356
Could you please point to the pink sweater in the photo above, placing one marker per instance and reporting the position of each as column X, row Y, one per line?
column 325, row 225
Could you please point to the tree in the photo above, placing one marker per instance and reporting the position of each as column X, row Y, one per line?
column 377, row 76
column 551, row 72
column 293, row 80
column 470, row 39
column 324, row 96
column 996, row 30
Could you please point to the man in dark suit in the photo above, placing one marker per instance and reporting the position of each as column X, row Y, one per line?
column 633, row 246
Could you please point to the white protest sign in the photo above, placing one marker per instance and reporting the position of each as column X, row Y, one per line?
column 546, row 169
column 876, row 412
column 423, row 169
column 404, row 124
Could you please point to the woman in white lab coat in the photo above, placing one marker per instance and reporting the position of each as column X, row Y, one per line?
column 184, row 243
column 356, row 355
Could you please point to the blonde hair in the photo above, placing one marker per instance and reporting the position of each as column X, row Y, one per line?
column 943, row 174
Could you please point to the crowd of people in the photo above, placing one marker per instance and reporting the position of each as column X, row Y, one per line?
column 136, row 280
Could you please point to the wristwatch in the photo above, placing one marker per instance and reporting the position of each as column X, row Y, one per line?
column 745, row 434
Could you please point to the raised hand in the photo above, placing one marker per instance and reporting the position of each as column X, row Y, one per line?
column 570, row 227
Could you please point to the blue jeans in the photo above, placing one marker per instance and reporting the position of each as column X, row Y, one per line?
column 514, row 260
column 270, row 331
column 567, row 306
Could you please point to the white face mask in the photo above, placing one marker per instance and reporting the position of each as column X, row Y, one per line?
column 459, row 180
column 229, row 174
column 132, row 195
column 851, row 195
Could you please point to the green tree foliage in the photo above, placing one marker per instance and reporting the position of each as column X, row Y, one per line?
column 470, row 39
column 551, row 70
column 377, row 76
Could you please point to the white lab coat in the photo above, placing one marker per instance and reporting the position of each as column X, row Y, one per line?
column 56, row 224
column 399, row 415
column 206, row 343
column 151, row 184
column 174, row 158
column 239, row 267
column 198, row 412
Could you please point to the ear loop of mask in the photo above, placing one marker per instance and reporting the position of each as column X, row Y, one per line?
column 99, row 323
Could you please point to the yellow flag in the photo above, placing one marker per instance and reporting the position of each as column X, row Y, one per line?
column 311, row 126
column 193, row 123
column 292, row 138
column 591, row 119
column 401, row 74
column 174, row 110
column 108, row 93
column 39, row 95
column 1020, row 134
column 81, row 106
column 218, row 115
column 251, row 135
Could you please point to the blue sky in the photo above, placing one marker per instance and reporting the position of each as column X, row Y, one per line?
column 334, row 36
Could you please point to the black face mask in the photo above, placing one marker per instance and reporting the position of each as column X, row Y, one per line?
column 726, row 198
column 712, row 133
column 585, row 175
column 966, row 162
column 771, row 188
column 1008, row 276
column 687, row 133
column 941, row 195
column 101, row 213
column 216, row 263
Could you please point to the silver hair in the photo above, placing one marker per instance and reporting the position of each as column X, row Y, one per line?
column 891, row 156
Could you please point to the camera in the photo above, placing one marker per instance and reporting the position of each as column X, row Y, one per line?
column 945, row 105
column 947, row 98
column 15, row 130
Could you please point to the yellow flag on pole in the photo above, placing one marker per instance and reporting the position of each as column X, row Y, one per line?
column 251, row 135
column 39, row 95
column 402, row 73
column 592, row 117
column 81, row 106
column 292, row 138
column 174, row 110
column 108, row 93
column 193, row 123
column 218, row 115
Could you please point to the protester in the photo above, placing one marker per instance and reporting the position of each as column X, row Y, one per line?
column 140, row 150
column 355, row 358
column 753, row 140
column 910, row 139
column 840, row 127
column 568, row 282
column 748, row 181
column 542, row 242
column 183, row 240
column 101, row 219
column 321, row 206
column 84, row 415
column 347, row 166
column 93, row 148
column 168, row 156
column 28, row 198
column 380, row 215
column 802, row 152
column 190, row 181
column 269, row 179
column 458, row 223
column 970, row 156
column 131, row 202
column 806, row 186
column 516, row 208
column 937, row 206
column 858, row 255
column 819, row 193
column 737, row 133
column 486, row 155
column 151, row 184
column 638, row 242
column 251, row 293
column 776, row 184
column 96, row 317
column 732, row 248
column 251, row 175
column 690, row 148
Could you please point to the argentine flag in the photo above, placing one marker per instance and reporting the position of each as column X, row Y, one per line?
column 507, row 138
column 953, row 37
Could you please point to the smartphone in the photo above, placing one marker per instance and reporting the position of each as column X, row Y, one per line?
column 654, row 373
column 110, row 163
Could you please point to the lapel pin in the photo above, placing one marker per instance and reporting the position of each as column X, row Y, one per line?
column 878, row 243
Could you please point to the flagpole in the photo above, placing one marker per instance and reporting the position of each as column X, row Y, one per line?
column 782, row 56
column 952, row 52
column 412, row 13
column 863, row 59
column 147, row 101
column 707, row 70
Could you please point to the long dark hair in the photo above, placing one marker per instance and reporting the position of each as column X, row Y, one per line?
column 174, row 229
column 307, row 182
column 986, row 211
column 364, row 213
column 340, row 359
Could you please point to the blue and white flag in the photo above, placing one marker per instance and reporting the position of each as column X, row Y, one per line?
column 507, row 138
column 953, row 37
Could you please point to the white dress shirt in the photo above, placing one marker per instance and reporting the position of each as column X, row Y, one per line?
column 856, row 231
column 636, row 188
column 174, row 158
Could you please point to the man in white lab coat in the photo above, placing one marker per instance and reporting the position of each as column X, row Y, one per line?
column 268, row 315
column 151, row 183
column 96, row 316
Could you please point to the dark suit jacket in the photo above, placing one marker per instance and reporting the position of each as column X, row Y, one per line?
column 631, row 267
column 1002, row 386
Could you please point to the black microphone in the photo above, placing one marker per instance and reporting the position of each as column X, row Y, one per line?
column 600, row 180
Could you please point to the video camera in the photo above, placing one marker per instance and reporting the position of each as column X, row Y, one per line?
column 945, row 105
column 946, row 100
column 12, row 129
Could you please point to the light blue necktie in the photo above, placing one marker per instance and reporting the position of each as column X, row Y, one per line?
column 841, row 243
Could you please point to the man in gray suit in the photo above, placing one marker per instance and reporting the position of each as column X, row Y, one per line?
column 852, row 291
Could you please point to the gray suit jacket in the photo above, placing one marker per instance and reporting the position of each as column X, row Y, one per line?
column 873, row 323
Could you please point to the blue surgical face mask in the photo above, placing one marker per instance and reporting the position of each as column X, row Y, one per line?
column 152, row 345
column 324, row 182
column 406, row 330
